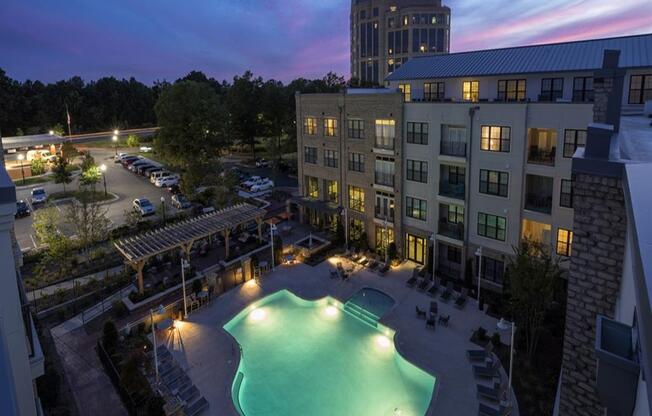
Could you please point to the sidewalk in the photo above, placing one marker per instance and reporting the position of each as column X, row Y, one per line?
column 68, row 284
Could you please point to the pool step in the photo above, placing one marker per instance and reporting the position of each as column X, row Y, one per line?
column 361, row 313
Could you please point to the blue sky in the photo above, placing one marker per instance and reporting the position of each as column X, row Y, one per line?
column 283, row 39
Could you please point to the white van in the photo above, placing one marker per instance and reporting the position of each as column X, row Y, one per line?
column 160, row 174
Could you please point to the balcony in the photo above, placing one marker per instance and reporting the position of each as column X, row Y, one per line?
column 452, row 190
column 449, row 148
column 448, row 269
column 538, row 203
column 542, row 156
column 617, row 366
column 385, row 179
column 451, row 229
column 384, row 144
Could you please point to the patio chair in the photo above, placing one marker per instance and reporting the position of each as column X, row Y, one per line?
column 448, row 292
column 488, row 371
column 431, row 321
column 443, row 320
column 196, row 408
column 373, row 265
column 383, row 270
column 172, row 376
column 420, row 312
column 423, row 285
column 189, row 394
column 460, row 302
column 354, row 257
column 485, row 410
column 179, row 384
column 434, row 288
column 434, row 307
column 495, row 393
column 363, row 261
column 481, row 355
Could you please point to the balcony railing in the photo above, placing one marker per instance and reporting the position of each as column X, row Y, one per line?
column 451, row 190
column 451, row 229
column 542, row 156
column 449, row 148
column 538, row 202
column 449, row 270
column 384, row 179
column 383, row 143
column 382, row 215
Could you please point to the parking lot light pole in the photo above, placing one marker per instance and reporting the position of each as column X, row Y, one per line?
column 22, row 169
column 159, row 311
column 163, row 207
column 103, row 169
column 115, row 142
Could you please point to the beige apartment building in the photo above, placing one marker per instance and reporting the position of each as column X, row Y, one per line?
column 386, row 33
column 482, row 149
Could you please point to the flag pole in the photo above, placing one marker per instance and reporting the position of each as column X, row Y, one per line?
column 68, row 118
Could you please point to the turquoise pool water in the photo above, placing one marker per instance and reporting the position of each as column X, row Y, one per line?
column 373, row 301
column 312, row 358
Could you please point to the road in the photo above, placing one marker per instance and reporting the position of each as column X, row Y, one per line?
column 119, row 181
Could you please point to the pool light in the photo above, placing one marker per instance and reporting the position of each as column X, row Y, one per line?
column 258, row 314
column 331, row 311
column 383, row 342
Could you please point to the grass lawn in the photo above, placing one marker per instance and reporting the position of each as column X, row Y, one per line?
column 33, row 180
column 96, row 196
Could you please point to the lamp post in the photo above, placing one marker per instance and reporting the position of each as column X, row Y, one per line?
column 115, row 143
column 159, row 311
column 272, row 228
column 22, row 169
column 163, row 207
column 504, row 325
column 51, row 132
column 346, row 229
column 184, row 264
column 478, row 253
column 103, row 169
column 433, row 238
column 386, row 240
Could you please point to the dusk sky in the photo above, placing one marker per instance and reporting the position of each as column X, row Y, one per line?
column 283, row 39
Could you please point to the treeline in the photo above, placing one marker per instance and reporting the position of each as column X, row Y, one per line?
column 32, row 107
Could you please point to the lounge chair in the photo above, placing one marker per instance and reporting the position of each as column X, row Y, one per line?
column 354, row 257
column 443, row 320
column 434, row 288
column 480, row 355
column 434, row 308
column 172, row 376
column 485, row 410
column 488, row 371
column 420, row 312
column 423, row 285
column 431, row 321
column 411, row 281
column 179, row 384
column 189, row 394
column 494, row 393
column 460, row 302
column 363, row 261
column 383, row 270
column 196, row 408
column 373, row 264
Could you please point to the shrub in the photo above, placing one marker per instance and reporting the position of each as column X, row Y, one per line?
column 38, row 167
column 133, row 141
column 197, row 286
column 391, row 251
column 482, row 334
column 155, row 406
column 110, row 337
column 119, row 309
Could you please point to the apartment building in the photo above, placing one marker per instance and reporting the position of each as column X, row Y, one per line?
column 21, row 357
column 386, row 33
column 482, row 148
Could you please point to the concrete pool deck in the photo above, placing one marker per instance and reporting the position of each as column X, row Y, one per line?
column 210, row 355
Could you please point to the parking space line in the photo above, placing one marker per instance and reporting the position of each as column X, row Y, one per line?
column 33, row 241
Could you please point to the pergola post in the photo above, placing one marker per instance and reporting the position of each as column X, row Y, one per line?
column 227, row 233
column 139, row 266
column 259, row 221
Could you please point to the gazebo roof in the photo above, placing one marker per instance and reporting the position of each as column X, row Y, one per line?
column 146, row 245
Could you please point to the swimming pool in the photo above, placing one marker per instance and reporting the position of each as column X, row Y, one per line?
column 374, row 301
column 311, row 358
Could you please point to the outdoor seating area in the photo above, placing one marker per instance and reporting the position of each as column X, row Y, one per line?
column 421, row 281
column 492, row 389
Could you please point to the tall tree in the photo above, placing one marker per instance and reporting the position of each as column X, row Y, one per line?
column 89, row 221
column 243, row 103
column 60, row 172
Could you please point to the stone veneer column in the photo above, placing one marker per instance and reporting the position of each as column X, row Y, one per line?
column 599, row 228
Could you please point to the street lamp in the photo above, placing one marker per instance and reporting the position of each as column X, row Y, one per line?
column 386, row 240
column 504, row 325
column 51, row 132
column 478, row 253
column 184, row 265
column 159, row 311
column 22, row 169
column 103, row 169
column 115, row 143
column 116, row 132
column 163, row 207
column 272, row 228
column 346, row 228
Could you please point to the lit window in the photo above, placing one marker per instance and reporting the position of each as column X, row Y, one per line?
column 495, row 138
column 312, row 187
column 330, row 127
column 406, row 89
column 310, row 125
column 333, row 193
column 385, row 133
column 564, row 242
column 356, row 198
column 470, row 90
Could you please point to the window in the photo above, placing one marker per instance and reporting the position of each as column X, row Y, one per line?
column 384, row 173
column 564, row 242
column 384, row 208
column 433, row 91
column 312, row 187
column 356, row 129
column 356, row 198
column 583, row 89
column 542, row 146
column 417, row 133
column 330, row 127
column 572, row 140
column 385, row 134
column 566, row 196
column 491, row 226
column 495, row 138
column 538, row 232
column 406, row 90
column 417, row 171
column 356, row 229
column 310, row 155
column 451, row 221
column 470, row 90
column 493, row 182
column 331, row 158
column 356, row 162
column 453, row 141
column 640, row 89
column 492, row 269
column 384, row 237
column 451, row 181
column 415, row 249
column 538, row 193
column 416, row 208
column 310, row 125
column 332, row 192
column 551, row 89
column 511, row 90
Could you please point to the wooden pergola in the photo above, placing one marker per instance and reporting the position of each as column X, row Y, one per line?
column 137, row 250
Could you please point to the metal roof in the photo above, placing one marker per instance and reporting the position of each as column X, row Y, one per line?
column 635, row 51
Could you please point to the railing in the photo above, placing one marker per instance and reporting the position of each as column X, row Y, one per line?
column 385, row 179
column 384, row 143
column 381, row 215
column 451, row 190
column 451, row 229
column 542, row 156
column 450, row 148
column 538, row 202
column 449, row 270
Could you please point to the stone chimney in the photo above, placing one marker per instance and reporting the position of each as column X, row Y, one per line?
column 608, row 90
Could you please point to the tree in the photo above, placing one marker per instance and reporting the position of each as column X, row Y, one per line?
column 88, row 160
column 532, row 278
column 69, row 151
column 90, row 177
column 37, row 166
column 58, row 129
column 133, row 141
column 61, row 173
column 46, row 223
column 88, row 220
column 59, row 247
column 132, row 217
column 191, row 120
column 243, row 103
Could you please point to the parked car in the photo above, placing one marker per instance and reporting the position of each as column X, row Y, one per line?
column 142, row 168
column 118, row 158
column 22, row 209
column 174, row 189
column 148, row 172
column 142, row 162
column 264, row 185
column 127, row 161
column 180, row 202
column 143, row 206
column 167, row 181
column 251, row 181
column 38, row 196
column 262, row 163
column 160, row 174
column 145, row 149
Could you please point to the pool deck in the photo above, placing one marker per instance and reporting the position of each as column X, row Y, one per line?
column 210, row 355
